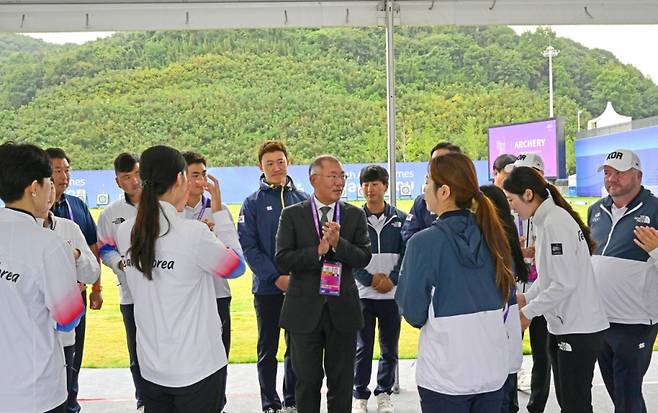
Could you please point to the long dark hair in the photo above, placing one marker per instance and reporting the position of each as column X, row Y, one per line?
column 159, row 167
column 523, row 178
column 497, row 196
column 457, row 171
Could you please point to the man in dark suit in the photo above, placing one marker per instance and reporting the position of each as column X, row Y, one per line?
column 315, row 238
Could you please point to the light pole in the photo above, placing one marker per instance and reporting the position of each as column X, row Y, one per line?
column 579, row 112
column 550, row 52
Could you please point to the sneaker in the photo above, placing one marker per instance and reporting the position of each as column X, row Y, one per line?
column 289, row 409
column 384, row 403
column 272, row 410
column 140, row 409
column 360, row 406
column 523, row 378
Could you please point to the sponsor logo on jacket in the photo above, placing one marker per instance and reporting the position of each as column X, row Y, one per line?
column 643, row 219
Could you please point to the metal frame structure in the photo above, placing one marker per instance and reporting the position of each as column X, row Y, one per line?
column 127, row 15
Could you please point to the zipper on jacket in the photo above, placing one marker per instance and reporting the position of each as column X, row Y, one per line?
column 379, row 238
column 615, row 223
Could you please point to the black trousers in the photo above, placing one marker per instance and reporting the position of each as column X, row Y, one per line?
column 433, row 402
column 268, row 312
column 387, row 316
column 573, row 357
column 224, row 310
column 540, row 381
column 510, row 395
column 200, row 397
column 72, row 405
column 128, row 314
column 624, row 360
column 333, row 349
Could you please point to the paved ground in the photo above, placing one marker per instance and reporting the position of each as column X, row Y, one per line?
column 110, row 390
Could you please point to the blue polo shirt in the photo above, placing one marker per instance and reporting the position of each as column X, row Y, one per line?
column 72, row 207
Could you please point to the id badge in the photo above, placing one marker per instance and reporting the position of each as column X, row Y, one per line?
column 330, row 278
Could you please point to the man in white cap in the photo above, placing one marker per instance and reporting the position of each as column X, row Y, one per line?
column 540, row 378
column 531, row 160
column 625, row 227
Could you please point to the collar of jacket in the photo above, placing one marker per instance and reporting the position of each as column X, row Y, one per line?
column 388, row 210
column 543, row 211
column 641, row 196
column 266, row 186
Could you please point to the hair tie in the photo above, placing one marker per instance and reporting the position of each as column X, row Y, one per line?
column 147, row 182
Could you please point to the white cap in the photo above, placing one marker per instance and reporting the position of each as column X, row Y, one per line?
column 531, row 160
column 622, row 160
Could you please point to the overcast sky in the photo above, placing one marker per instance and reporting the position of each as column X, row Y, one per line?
column 626, row 42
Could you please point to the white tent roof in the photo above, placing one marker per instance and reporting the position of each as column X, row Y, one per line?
column 116, row 15
column 609, row 117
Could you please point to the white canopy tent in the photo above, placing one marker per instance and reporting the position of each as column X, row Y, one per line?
column 116, row 15
column 129, row 15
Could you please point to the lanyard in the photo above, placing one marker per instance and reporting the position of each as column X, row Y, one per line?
column 316, row 221
column 203, row 208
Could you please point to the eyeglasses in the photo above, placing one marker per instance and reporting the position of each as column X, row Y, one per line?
column 334, row 177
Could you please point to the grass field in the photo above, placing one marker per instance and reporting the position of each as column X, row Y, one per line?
column 105, row 339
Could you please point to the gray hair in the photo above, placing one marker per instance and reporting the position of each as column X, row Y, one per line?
column 317, row 162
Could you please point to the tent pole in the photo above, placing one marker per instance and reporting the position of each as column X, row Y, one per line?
column 390, row 101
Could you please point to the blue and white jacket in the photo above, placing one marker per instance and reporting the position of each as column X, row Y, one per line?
column 387, row 251
column 626, row 275
column 447, row 287
column 418, row 219
column 257, row 226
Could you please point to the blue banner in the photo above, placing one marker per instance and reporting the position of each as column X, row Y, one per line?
column 98, row 188
column 591, row 152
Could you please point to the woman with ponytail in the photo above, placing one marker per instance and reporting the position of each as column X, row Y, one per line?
column 170, row 263
column 565, row 292
column 454, row 284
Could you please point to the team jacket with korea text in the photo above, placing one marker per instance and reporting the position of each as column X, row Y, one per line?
column 565, row 292
column 627, row 276
column 38, row 295
column 178, row 327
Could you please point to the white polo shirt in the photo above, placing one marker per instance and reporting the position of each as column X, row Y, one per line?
column 224, row 229
column 178, row 328
column 38, row 292
column 108, row 224
column 86, row 266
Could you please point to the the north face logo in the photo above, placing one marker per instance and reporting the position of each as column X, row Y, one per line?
column 643, row 219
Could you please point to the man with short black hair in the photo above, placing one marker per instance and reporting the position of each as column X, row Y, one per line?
column 38, row 290
column 257, row 226
column 216, row 215
column 126, row 169
column 419, row 217
column 377, row 285
column 73, row 208
column 625, row 227
column 499, row 173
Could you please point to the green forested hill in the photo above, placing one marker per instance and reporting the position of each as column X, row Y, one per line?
column 223, row 92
